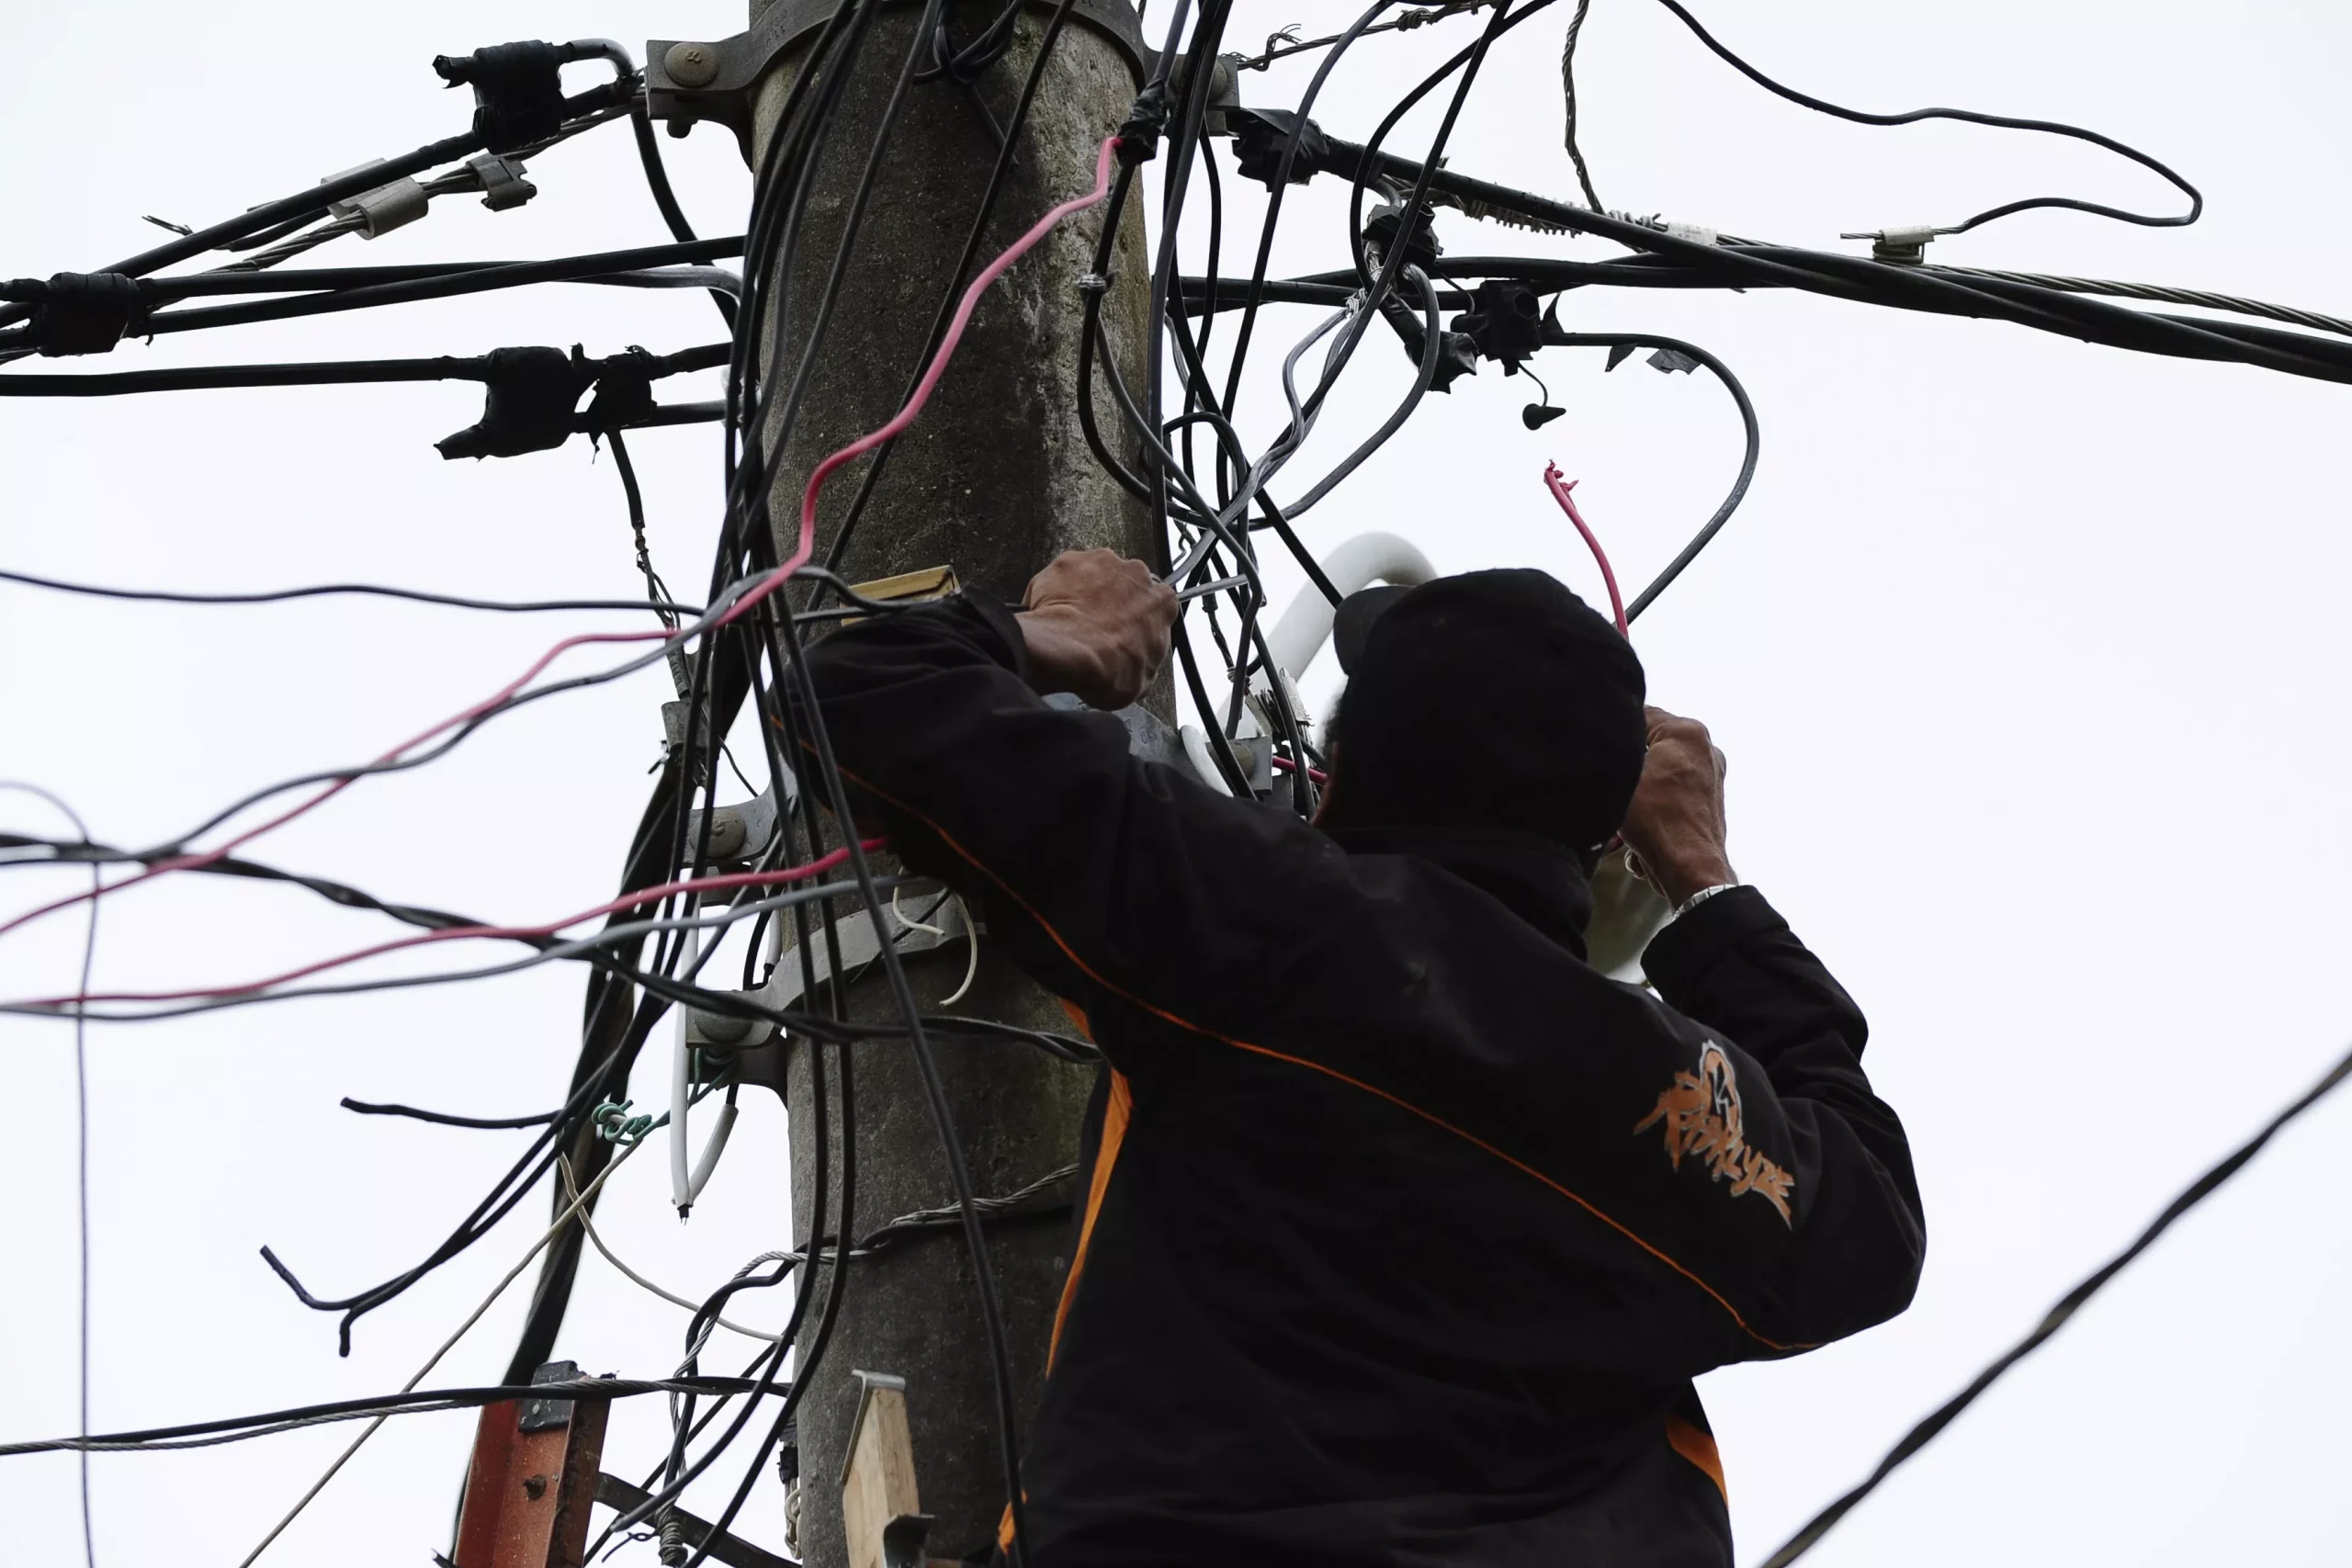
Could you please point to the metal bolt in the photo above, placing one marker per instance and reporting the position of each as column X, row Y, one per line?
column 535, row 1487
column 691, row 65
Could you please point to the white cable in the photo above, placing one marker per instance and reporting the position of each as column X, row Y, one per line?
column 589, row 1225
column 972, row 939
column 682, row 1194
column 909, row 921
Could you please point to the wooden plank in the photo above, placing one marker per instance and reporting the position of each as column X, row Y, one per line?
column 879, row 1477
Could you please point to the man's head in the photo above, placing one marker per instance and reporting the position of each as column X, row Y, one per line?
column 1495, row 699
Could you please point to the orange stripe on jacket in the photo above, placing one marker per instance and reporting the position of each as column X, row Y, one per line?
column 1698, row 1445
column 1114, row 1131
column 1116, row 1111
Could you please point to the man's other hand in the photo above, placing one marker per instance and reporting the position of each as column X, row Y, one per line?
column 1096, row 625
column 1675, row 825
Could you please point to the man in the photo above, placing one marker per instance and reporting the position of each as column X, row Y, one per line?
column 1407, row 1230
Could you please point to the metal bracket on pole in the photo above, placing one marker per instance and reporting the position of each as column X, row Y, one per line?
column 687, row 80
column 853, row 932
column 742, row 832
column 533, row 1479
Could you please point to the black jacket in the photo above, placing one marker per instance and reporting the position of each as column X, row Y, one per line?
column 1409, row 1230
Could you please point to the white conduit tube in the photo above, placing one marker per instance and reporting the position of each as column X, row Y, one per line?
column 1363, row 561
column 686, row 1185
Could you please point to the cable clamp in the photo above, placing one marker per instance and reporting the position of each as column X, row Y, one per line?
column 1899, row 247
column 383, row 209
column 1094, row 283
column 502, row 181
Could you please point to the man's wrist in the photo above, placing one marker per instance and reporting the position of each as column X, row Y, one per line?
column 1679, row 881
column 1685, row 906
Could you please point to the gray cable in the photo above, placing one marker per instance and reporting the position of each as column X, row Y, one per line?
column 80, row 1155
column 1432, row 346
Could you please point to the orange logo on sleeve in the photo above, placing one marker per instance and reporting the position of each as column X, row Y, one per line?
column 1702, row 1121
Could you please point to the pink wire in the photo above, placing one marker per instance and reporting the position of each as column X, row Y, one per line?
column 457, row 933
column 767, row 583
column 971, row 300
column 1567, row 504
column 1286, row 765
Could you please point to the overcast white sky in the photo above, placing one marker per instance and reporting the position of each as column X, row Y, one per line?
column 2027, row 655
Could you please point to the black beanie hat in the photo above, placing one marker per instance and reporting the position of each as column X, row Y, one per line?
column 1495, row 699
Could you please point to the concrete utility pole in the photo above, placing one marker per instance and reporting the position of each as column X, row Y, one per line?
column 994, row 479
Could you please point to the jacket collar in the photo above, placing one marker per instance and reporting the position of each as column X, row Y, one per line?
column 1537, row 879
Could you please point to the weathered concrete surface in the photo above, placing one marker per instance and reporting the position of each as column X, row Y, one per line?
column 994, row 478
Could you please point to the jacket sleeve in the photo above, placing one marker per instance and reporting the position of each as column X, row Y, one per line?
column 1732, row 966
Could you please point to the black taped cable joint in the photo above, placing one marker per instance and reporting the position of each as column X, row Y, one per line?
column 78, row 312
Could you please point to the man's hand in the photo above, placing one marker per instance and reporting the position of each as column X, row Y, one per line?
column 1096, row 625
column 1675, row 825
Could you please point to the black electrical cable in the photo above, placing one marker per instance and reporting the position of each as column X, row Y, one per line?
column 327, row 373
column 1972, row 116
column 679, row 1473
column 291, row 280
column 935, row 1090
column 843, row 250
column 312, row 200
column 753, row 377
column 448, row 285
column 1743, row 264
column 280, row 596
column 1200, row 68
column 609, row 1016
column 1229, row 441
column 321, row 373
column 1412, row 211
column 1282, row 183
column 1569, row 97
column 656, row 591
column 1282, row 46
column 1196, row 386
column 1089, row 342
column 974, row 238
column 443, row 1119
column 1920, row 1436
column 665, row 198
